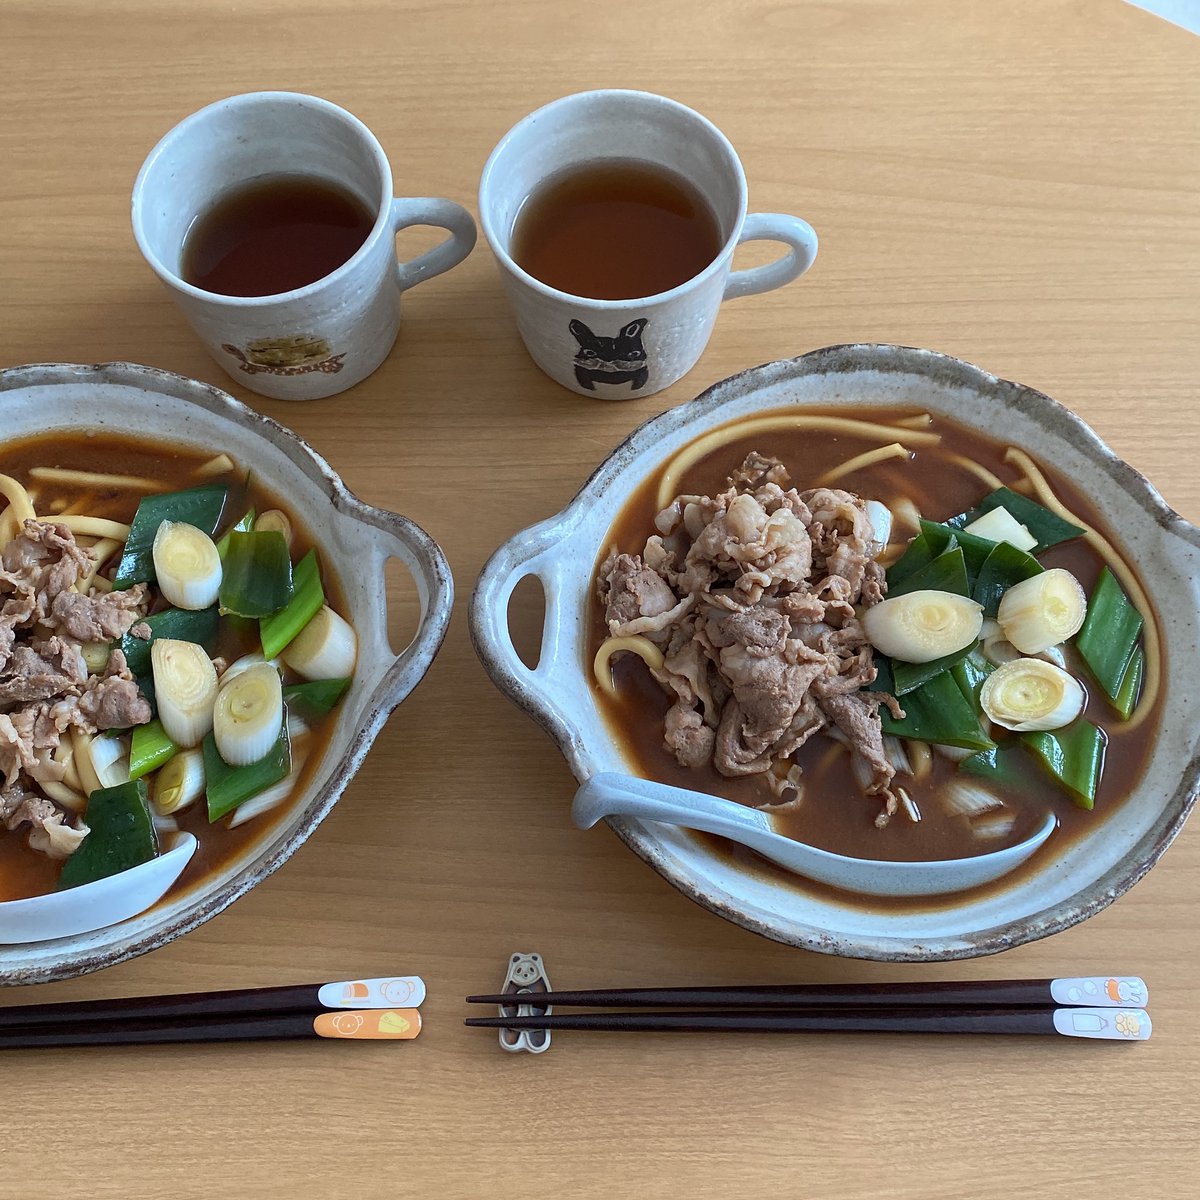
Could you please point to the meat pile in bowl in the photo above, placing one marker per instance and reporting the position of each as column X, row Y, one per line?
column 752, row 596
column 46, row 687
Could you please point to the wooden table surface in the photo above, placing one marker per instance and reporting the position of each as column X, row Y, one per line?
column 1013, row 183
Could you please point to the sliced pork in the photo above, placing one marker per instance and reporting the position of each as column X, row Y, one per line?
column 753, row 596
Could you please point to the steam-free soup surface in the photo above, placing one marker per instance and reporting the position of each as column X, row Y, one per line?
column 834, row 814
column 25, row 873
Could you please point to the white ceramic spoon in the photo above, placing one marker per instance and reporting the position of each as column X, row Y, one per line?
column 95, row 905
column 609, row 794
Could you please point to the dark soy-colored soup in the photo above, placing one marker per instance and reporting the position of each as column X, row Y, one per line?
column 25, row 873
column 834, row 814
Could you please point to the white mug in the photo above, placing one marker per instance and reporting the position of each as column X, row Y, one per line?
column 315, row 340
column 621, row 349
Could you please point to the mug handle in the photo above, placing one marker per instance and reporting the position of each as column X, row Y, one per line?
column 801, row 240
column 428, row 210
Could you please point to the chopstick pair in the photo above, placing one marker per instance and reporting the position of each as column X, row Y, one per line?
column 1104, row 1007
column 356, row 1009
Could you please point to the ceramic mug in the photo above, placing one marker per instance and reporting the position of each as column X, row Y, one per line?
column 621, row 349
column 315, row 340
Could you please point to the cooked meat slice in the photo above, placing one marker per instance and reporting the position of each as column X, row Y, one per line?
column 98, row 618
column 50, row 833
column 16, row 750
column 141, row 631
column 685, row 670
column 28, row 676
column 753, row 595
column 687, row 736
column 857, row 716
column 874, row 586
column 55, row 838
column 40, row 563
column 756, row 470
column 18, row 807
column 636, row 591
column 114, row 703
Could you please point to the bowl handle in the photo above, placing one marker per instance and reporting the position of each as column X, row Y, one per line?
column 536, row 552
column 394, row 536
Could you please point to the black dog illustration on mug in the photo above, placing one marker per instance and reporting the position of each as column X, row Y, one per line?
column 620, row 359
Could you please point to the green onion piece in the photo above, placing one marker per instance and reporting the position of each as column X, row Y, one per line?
column 149, row 748
column 316, row 698
column 243, row 526
column 1074, row 756
column 200, row 506
column 307, row 597
column 122, row 835
column 1004, row 566
column 178, row 623
column 1049, row 528
column 1109, row 634
column 906, row 677
column 257, row 580
column 997, row 764
column 1131, row 684
column 947, row 573
column 935, row 712
column 970, row 673
column 975, row 549
column 918, row 554
column 227, row 786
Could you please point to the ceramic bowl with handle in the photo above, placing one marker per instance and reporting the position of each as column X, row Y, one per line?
column 1062, row 885
column 355, row 541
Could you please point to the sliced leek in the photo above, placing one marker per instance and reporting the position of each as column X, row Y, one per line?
column 1000, row 525
column 185, row 689
column 179, row 783
column 921, row 626
column 187, row 565
column 1042, row 611
column 248, row 715
column 1028, row 694
column 275, row 520
column 325, row 648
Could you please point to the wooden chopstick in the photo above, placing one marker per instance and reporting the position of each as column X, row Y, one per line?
column 1099, row 991
column 387, row 992
column 351, row 1025
column 1109, row 1024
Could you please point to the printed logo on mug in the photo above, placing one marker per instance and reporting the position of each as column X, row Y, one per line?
column 270, row 217
column 614, row 216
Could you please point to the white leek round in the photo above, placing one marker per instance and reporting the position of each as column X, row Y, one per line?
column 921, row 626
column 324, row 649
column 179, row 782
column 249, row 715
column 185, row 689
column 1029, row 694
column 187, row 565
column 1000, row 525
column 1043, row 611
column 277, row 521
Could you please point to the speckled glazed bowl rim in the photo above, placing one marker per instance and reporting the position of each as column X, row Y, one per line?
column 390, row 533
column 675, row 428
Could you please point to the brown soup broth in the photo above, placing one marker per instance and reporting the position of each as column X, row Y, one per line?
column 834, row 815
column 274, row 234
column 616, row 229
column 26, row 873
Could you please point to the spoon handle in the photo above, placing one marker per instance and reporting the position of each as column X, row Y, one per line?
column 608, row 794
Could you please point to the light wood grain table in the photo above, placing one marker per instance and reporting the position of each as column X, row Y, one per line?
column 1014, row 183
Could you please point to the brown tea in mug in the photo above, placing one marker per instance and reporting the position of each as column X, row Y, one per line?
column 274, row 234
column 615, row 229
